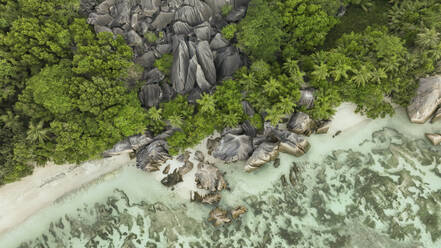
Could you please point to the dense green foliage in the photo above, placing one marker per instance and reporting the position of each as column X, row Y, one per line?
column 63, row 87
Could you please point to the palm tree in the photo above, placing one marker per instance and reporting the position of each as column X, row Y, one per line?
column 271, row 87
column 362, row 76
column 274, row 115
column 176, row 120
column 378, row 75
column 320, row 72
column 10, row 120
column 155, row 114
column 36, row 133
column 340, row 71
column 248, row 82
column 207, row 104
column 429, row 38
column 286, row 105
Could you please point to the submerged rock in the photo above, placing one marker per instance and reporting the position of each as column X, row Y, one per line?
column 276, row 163
column 264, row 153
column 238, row 211
column 210, row 198
column 219, row 217
column 426, row 101
column 209, row 177
column 152, row 156
column 435, row 138
column 301, row 123
column 172, row 179
column 234, row 148
column 188, row 166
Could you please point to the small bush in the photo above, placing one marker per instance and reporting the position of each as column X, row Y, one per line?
column 229, row 31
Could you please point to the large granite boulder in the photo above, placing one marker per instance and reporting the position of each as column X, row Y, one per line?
column 182, row 28
column 306, row 98
column 437, row 116
column 209, row 177
column 99, row 29
column 426, row 101
column 290, row 142
column 249, row 129
column 103, row 20
column 227, row 62
column 206, row 60
column 118, row 148
column 233, row 148
column 194, row 15
column 150, row 95
column 162, row 20
column 435, row 138
column 264, row 153
column 152, row 156
column 153, row 76
column 203, row 31
column 180, row 67
column 301, row 123
column 202, row 82
column 146, row 60
column 218, row 42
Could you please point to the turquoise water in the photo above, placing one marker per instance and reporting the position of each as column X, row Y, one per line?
column 375, row 185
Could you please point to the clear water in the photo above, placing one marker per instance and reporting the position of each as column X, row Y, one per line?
column 376, row 185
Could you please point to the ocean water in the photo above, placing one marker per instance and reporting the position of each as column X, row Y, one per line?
column 377, row 184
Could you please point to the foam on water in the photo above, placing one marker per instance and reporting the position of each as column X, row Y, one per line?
column 377, row 184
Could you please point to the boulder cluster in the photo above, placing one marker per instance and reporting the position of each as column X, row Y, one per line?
column 426, row 105
column 187, row 29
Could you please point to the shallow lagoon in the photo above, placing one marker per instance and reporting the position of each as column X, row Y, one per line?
column 378, row 184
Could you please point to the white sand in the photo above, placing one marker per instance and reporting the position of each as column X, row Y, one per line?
column 22, row 199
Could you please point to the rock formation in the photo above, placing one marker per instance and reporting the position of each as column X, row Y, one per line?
column 264, row 153
column 426, row 101
column 234, row 148
column 209, row 177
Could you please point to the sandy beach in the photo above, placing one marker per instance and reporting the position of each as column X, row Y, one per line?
column 22, row 199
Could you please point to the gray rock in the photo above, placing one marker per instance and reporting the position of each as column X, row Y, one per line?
column 175, row 40
column 323, row 127
column 164, row 48
column 138, row 141
column 435, row 138
column 236, row 15
column 219, row 217
column 147, row 60
column 104, row 7
column 99, row 29
column 194, row 15
column 259, row 140
column 194, row 95
column 118, row 148
column 249, row 129
column 203, row 31
column 264, row 153
column 167, row 92
column 180, row 67
column 133, row 38
column 199, row 156
column 206, row 60
column 229, row 130
column 191, row 48
column 290, row 143
column 182, row 28
column 152, row 156
column 150, row 4
column 218, row 21
column 154, row 76
column 150, row 95
column 247, row 109
column 118, row 31
column 123, row 10
column 218, row 42
column 86, row 7
column 233, row 148
column 203, row 84
column 239, row 3
column 162, row 20
column 306, row 98
column 209, row 177
column 172, row 179
column 301, row 123
column 134, row 21
column 216, row 5
column 436, row 116
column 227, row 62
column 102, row 20
column 191, row 74
column 426, row 101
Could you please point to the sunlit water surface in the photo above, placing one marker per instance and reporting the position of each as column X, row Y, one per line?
column 376, row 185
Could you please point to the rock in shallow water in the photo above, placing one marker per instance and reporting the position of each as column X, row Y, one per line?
column 436, row 116
column 209, row 177
column 290, row 143
column 172, row 179
column 426, row 101
column 238, row 211
column 435, row 138
column 234, row 148
column 210, row 198
column 152, row 156
column 219, row 217
column 264, row 153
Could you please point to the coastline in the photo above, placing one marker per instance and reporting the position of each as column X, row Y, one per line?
column 50, row 183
